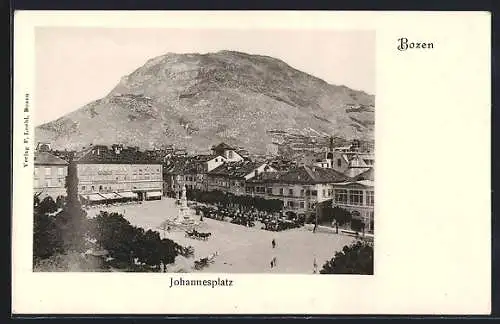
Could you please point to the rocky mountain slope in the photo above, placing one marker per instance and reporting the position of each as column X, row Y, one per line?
column 197, row 100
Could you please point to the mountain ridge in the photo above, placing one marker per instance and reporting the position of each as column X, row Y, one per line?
column 194, row 100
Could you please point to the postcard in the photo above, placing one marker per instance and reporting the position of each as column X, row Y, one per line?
column 224, row 162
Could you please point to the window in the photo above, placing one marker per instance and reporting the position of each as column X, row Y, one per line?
column 47, row 183
column 301, row 204
column 93, row 188
column 302, row 192
column 281, row 191
column 100, row 188
column 370, row 198
column 230, row 154
column 290, row 192
column 83, row 188
column 269, row 191
column 308, row 192
column 60, row 172
column 341, row 196
column 290, row 203
column 339, row 163
column 356, row 197
column 324, row 193
column 35, row 172
column 47, row 171
column 248, row 189
column 330, row 192
column 314, row 192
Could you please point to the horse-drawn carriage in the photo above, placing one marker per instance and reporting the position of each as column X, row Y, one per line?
column 198, row 235
column 204, row 262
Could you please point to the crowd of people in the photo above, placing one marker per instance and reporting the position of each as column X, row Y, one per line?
column 250, row 217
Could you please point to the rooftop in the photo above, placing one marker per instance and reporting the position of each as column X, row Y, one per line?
column 103, row 154
column 367, row 175
column 222, row 146
column 236, row 169
column 306, row 175
column 46, row 158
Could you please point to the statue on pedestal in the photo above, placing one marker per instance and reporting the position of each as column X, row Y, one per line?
column 185, row 215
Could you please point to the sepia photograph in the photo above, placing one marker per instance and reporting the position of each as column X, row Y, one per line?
column 227, row 151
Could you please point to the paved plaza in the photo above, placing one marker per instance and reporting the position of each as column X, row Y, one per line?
column 240, row 249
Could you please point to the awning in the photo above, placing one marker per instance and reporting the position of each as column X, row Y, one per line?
column 110, row 196
column 94, row 197
column 127, row 194
column 154, row 194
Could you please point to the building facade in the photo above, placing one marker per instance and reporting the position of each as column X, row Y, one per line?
column 105, row 174
column 300, row 189
column 49, row 175
column 231, row 177
column 358, row 197
column 189, row 171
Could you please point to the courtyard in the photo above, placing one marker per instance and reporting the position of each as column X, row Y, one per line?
column 240, row 249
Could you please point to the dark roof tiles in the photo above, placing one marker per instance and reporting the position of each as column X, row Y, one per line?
column 306, row 175
column 46, row 158
column 235, row 169
column 103, row 154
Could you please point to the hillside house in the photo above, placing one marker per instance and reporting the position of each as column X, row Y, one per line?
column 228, row 152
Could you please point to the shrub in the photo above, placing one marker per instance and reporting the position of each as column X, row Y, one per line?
column 356, row 258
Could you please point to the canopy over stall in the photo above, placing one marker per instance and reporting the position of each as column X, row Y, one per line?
column 94, row 197
column 154, row 194
column 128, row 194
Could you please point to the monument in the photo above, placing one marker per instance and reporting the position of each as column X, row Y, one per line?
column 185, row 218
column 185, row 213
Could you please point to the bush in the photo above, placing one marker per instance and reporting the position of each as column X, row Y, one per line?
column 356, row 258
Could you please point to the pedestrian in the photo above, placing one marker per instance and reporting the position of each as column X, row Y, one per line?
column 315, row 266
column 273, row 243
column 274, row 261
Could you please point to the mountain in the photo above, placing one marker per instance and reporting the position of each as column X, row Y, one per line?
column 197, row 100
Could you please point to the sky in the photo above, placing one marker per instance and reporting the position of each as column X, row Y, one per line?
column 76, row 65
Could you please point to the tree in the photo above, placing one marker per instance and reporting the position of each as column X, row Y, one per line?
column 356, row 258
column 72, row 220
column 47, row 206
column 47, row 240
column 125, row 242
column 341, row 217
column 114, row 233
